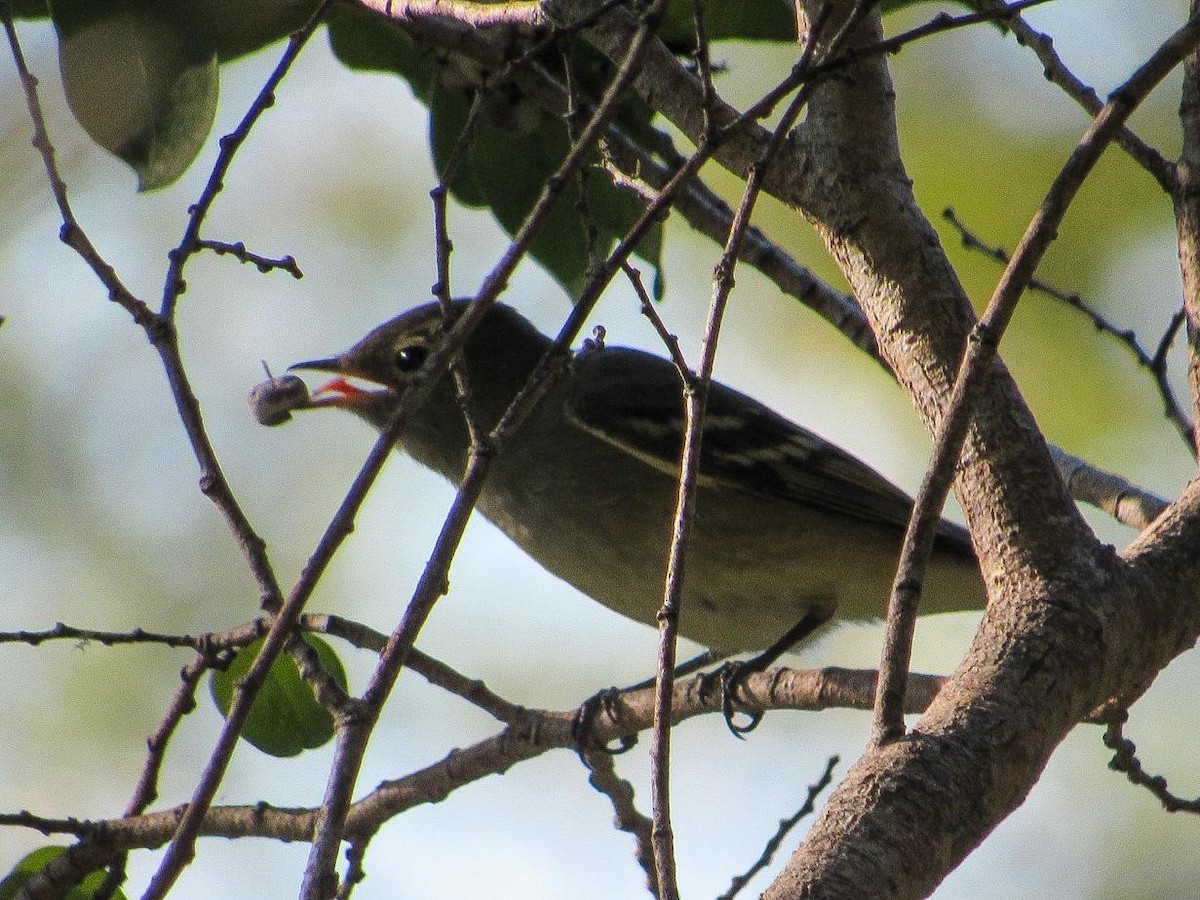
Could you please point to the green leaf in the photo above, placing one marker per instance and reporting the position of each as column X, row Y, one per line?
column 286, row 718
column 139, row 80
column 233, row 28
column 727, row 20
column 33, row 863
column 510, row 165
column 364, row 41
column 516, row 145
column 445, row 128
column 30, row 9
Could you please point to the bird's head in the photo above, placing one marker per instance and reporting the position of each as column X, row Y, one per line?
column 372, row 375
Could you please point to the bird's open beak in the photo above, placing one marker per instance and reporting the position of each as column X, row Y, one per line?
column 337, row 391
column 332, row 364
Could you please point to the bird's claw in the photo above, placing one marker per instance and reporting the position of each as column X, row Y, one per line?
column 726, row 678
column 585, row 719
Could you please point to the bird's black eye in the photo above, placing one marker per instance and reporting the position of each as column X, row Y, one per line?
column 410, row 358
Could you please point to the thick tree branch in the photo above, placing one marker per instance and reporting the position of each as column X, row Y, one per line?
column 1001, row 716
column 977, row 361
column 843, row 170
column 1187, row 220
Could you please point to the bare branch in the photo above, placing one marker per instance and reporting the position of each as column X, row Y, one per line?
column 541, row 731
column 695, row 397
column 264, row 264
column 785, row 827
column 1125, row 760
column 1155, row 364
column 71, row 233
column 477, row 15
column 432, row 670
column 602, row 775
column 1125, row 502
column 230, row 144
column 1057, row 73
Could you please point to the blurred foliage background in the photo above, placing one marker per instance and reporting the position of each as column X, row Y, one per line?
column 102, row 524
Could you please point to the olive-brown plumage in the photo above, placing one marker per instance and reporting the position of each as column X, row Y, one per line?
column 788, row 527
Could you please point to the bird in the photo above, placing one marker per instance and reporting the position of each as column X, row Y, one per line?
column 790, row 531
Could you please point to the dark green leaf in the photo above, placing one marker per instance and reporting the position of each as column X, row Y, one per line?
column 233, row 28
column 445, row 129
column 511, row 162
column 30, row 9
column 765, row 20
column 140, row 82
column 516, row 145
column 286, row 718
column 33, row 863
column 362, row 40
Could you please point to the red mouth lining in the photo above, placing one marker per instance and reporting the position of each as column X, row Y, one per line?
column 343, row 393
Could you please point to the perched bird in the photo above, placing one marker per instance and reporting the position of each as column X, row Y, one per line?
column 790, row 530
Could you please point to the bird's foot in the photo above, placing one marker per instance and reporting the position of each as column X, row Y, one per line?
column 583, row 727
column 726, row 678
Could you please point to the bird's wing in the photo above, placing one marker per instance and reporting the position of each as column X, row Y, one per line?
column 746, row 446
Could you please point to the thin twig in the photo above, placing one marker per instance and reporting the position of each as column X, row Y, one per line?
column 146, row 790
column 695, row 396
column 785, row 827
column 264, row 264
column 62, row 631
column 181, row 704
column 182, row 847
column 670, row 341
column 941, row 23
column 174, row 284
column 432, row 670
column 71, row 233
column 444, row 248
column 704, row 69
column 1155, row 364
column 602, row 775
column 1125, row 760
column 1056, row 72
column 576, row 113
column 212, row 645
